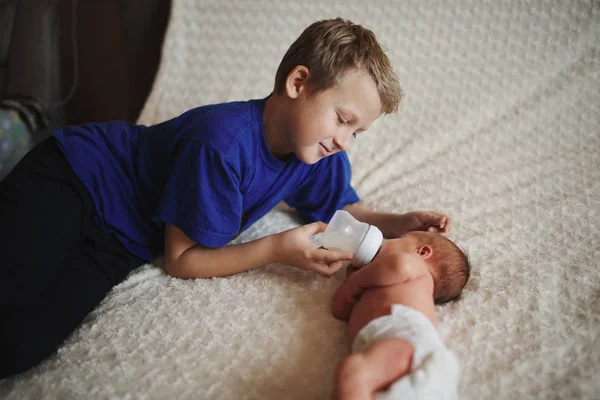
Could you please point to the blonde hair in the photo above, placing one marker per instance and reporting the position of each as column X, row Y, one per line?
column 329, row 49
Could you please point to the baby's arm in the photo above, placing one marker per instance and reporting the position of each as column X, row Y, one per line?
column 386, row 270
column 361, row 375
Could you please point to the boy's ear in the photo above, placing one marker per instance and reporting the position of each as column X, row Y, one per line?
column 297, row 81
column 425, row 251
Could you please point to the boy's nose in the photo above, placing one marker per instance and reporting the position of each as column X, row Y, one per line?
column 341, row 141
column 339, row 144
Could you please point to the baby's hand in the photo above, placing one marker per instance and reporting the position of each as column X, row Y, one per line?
column 430, row 221
column 293, row 248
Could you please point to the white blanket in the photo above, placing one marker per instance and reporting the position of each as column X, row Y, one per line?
column 500, row 128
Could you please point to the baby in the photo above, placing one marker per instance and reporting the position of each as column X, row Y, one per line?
column 389, row 303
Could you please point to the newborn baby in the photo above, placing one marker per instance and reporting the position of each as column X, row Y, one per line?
column 389, row 303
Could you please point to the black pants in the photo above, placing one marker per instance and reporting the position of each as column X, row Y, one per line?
column 56, row 264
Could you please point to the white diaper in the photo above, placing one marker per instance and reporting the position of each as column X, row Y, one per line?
column 434, row 370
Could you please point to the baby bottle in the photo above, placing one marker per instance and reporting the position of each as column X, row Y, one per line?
column 344, row 233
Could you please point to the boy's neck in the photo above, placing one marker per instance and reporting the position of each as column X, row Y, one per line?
column 275, row 126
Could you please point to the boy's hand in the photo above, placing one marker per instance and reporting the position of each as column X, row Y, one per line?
column 430, row 221
column 293, row 248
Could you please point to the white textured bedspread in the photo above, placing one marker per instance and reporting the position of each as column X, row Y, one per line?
column 500, row 128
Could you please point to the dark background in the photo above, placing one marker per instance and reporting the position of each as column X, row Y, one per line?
column 116, row 49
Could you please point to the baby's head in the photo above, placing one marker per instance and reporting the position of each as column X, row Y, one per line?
column 332, row 83
column 448, row 264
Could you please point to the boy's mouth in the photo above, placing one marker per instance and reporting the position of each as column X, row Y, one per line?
column 324, row 149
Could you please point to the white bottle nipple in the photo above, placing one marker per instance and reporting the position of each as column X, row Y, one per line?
column 344, row 233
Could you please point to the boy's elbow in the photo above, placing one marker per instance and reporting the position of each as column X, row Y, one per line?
column 171, row 269
column 176, row 269
column 182, row 269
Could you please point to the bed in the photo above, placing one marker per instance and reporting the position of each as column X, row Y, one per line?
column 499, row 128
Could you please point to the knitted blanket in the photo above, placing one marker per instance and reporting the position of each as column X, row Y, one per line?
column 500, row 128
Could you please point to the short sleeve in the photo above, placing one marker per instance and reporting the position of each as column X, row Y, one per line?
column 326, row 190
column 202, row 196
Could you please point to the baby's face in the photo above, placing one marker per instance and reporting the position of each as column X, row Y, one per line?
column 409, row 242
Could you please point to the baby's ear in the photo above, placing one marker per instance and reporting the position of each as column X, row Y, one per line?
column 425, row 251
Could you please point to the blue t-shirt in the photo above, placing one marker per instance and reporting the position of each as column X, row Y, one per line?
column 209, row 172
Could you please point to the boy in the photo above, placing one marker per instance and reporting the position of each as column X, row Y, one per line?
column 95, row 201
column 390, row 307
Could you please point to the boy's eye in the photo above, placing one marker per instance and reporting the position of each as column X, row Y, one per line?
column 342, row 120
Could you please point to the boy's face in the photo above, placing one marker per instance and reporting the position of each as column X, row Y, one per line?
column 324, row 123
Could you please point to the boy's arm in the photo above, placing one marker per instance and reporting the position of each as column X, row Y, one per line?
column 395, row 225
column 384, row 271
column 184, row 258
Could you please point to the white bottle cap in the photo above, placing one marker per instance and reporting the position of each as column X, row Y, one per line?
column 368, row 248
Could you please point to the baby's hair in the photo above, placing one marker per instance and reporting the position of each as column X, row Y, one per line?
column 329, row 49
column 452, row 269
